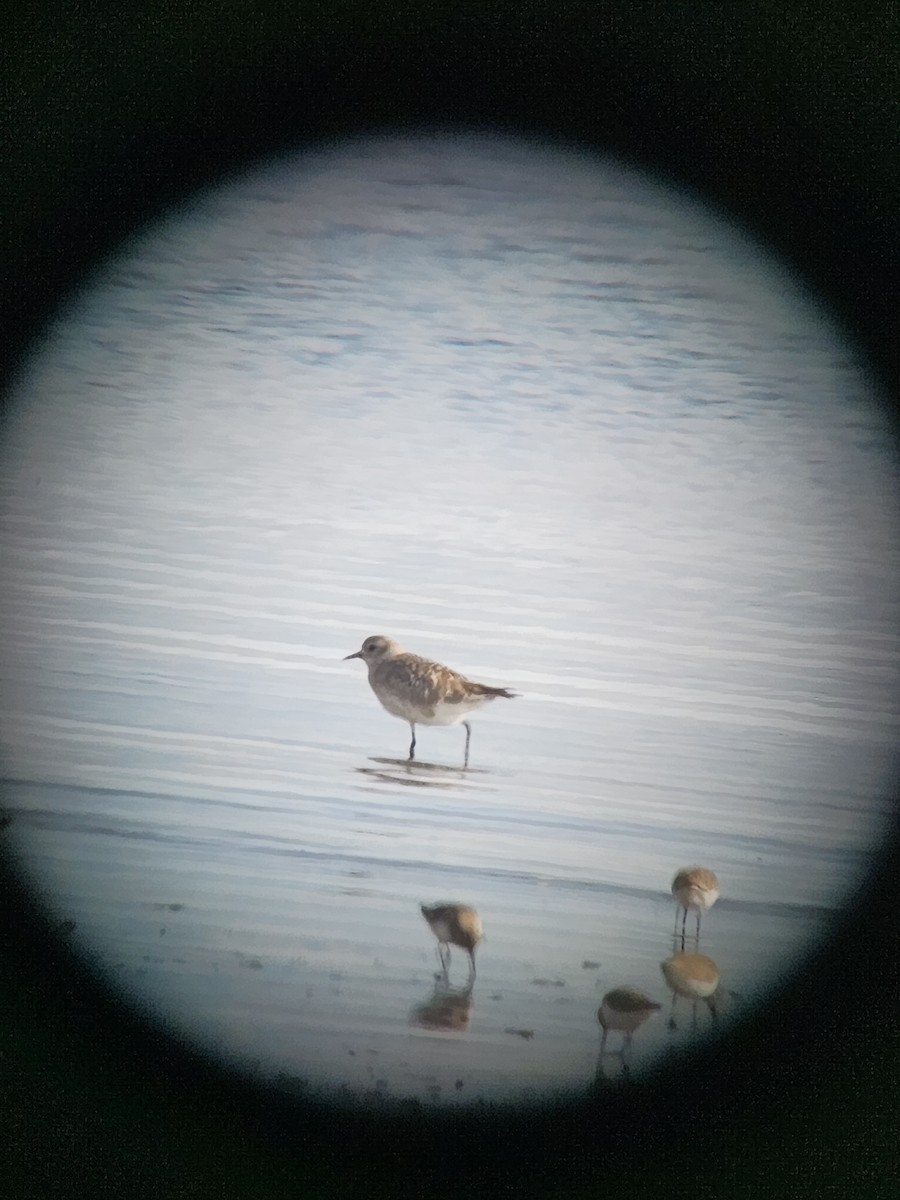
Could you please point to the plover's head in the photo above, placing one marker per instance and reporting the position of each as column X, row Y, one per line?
column 375, row 648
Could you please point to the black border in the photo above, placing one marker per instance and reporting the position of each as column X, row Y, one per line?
column 786, row 118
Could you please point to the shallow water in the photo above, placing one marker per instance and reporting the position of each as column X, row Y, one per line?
column 536, row 420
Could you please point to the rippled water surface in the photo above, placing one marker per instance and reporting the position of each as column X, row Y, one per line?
column 532, row 418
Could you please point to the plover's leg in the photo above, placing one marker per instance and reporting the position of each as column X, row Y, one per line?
column 603, row 1040
column 444, row 951
column 677, row 915
column 698, row 924
column 472, row 964
column 412, row 744
column 468, row 729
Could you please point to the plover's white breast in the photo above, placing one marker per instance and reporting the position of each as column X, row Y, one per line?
column 447, row 713
column 408, row 707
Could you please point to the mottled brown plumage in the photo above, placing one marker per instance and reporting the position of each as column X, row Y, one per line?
column 420, row 691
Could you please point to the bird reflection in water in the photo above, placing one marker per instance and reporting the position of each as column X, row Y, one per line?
column 448, row 1009
column 416, row 774
column 694, row 977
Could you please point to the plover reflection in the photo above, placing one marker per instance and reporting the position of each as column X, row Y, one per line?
column 454, row 925
column 420, row 691
column 697, row 888
column 623, row 1010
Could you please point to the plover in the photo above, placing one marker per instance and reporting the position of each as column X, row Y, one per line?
column 454, row 925
column 422, row 692
column 623, row 1010
column 697, row 888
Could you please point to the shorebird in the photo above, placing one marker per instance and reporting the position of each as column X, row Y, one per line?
column 422, row 692
column 697, row 888
column 623, row 1010
column 454, row 925
column 694, row 976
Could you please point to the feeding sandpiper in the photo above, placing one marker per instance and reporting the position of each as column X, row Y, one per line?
column 697, row 888
column 624, row 1009
column 454, row 925
column 694, row 976
column 422, row 692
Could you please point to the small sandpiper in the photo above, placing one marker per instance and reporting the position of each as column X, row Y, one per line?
column 454, row 925
column 694, row 976
column 697, row 888
column 422, row 692
column 624, row 1009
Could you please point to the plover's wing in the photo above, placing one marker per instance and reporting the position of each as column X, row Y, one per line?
column 451, row 686
column 485, row 689
column 429, row 682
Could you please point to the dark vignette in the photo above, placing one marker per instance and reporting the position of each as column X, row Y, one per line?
column 784, row 116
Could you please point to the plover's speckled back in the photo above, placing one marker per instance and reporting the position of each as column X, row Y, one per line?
column 454, row 925
column 697, row 888
column 420, row 691
column 624, row 1009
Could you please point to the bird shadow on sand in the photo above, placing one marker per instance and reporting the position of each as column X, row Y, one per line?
column 418, row 774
